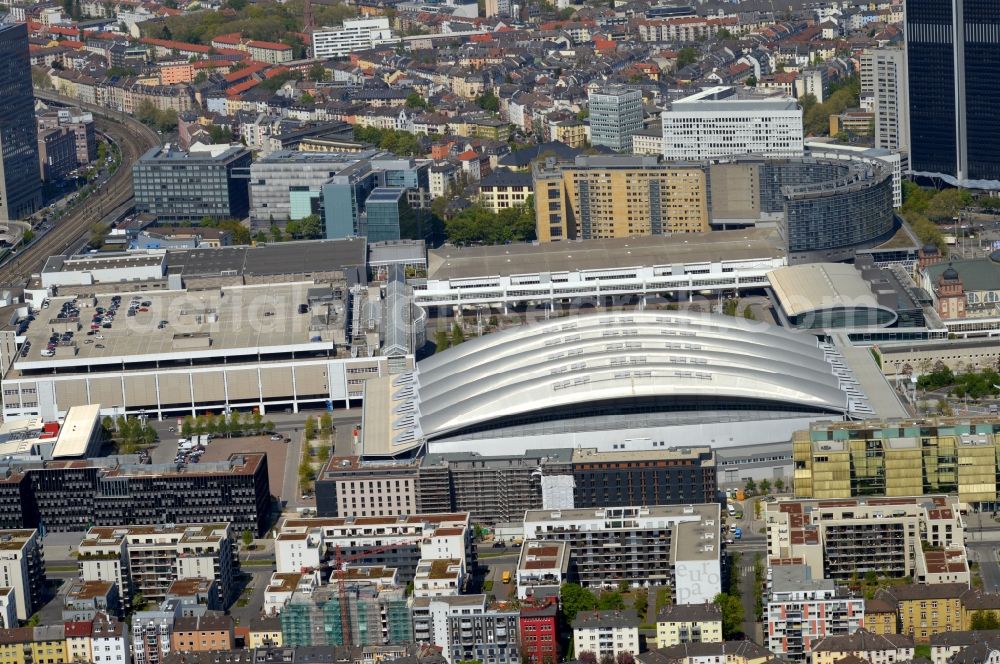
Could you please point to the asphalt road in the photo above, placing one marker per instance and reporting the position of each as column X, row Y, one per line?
column 985, row 553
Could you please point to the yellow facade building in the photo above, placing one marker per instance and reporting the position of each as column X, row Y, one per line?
column 604, row 197
column 927, row 609
column 911, row 458
column 688, row 623
column 881, row 617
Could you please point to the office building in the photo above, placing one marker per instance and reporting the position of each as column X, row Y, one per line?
column 615, row 114
column 688, row 623
column 950, row 48
column 80, row 123
column 606, row 633
column 204, row 181
column 396, row 542
column 878, row 458
column 846, row 538
column 883, row 72
column 618, row 196
column 353, row 35
column 348, row 487
column 721, row 122
column 678, row 546
column 148, row 559
column 56, row 153
column 386, row 214
column 802, row 610
column 826, row 209
column 22, row 568
column 75, row 495
column 827, row 148
column 21, row 181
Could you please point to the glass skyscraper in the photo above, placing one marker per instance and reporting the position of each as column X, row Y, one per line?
column 20, row 180
column 953, row 51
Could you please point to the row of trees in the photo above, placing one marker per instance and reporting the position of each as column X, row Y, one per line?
column 236, row 424
column 974, row 384
column 924, row 209
column 764, row 486
column 479, row 225
column 325, row 427
column 130, row 433
column 399, row 142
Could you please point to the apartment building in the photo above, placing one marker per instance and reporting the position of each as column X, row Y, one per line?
column 688, row 623
column 542, row 568
column 109, row 641
column 437, row 578
column 839, row 539
column 606, row 633
column 466, row 627
column 640, row 546
column 615, row 114
column 879, row 458
column 203, row 633
column 927, row 609
column 883, row 72
column 151, row 631
column 539, row 625
column 871, row 647
column 600, row 196
column 802, row 610
column 397, row 542
column 723, row 122
column 22, row 569
column 881, row 616
column 147, row 559
column 353, row 35
column 729, row 652
column 376, row 614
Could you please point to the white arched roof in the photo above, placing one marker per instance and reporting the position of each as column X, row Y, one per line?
column 604, row 357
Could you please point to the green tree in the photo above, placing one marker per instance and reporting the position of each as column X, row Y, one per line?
column 325, row 425
column 441, row 340
column 947, row 203
column 247, row 539
column 40, row 79
column 187, row 426
column 748, row 313
column 323, row 453
column 610, row 601
column 414, row 100
column 28, row 236
column 138, row 602
column 257, row 423
column 779, row 485
column 488, row 101
column 765, row 487
column 751, row 81
column 983, row 620
column 750, row 487
column 575, row 599
column 235, row 424
column 310, row 428
column 732, row 615
column 457, row 334
column 319, row 73
column 307, row 99
column 687, row 56
column 583, row 114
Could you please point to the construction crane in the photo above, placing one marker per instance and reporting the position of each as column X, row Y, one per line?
column 340, row 562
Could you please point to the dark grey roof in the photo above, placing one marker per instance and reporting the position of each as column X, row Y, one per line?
column 690, row 613
column 597, row 619
column 505, row 178
column 863, row 641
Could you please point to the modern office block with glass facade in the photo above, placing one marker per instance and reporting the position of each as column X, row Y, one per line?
column 952, row 55
column 21, row 181
column 178, row 185
column 615, row 114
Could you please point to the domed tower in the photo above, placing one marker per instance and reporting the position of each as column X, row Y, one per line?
column 950, row 294
column 929, row 254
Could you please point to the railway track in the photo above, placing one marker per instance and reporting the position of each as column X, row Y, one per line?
column 133, row 139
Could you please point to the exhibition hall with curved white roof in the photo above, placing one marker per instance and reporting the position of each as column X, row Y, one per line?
column 611, row 372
